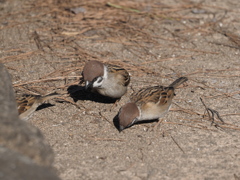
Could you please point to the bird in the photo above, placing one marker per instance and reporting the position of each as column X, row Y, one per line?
column 147, row 104
column 106, row 79
column 27, row 104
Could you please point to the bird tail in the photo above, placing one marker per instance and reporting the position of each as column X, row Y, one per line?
column 178, row 82
column 53, row 94
column 49, row 96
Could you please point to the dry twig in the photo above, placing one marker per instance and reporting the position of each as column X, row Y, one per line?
column 211, row 113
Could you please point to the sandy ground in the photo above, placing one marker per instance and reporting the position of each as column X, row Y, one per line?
column 44, row 45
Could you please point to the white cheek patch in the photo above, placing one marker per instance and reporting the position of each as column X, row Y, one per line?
column 105, row 74
column 87, row 83
column 98, row 82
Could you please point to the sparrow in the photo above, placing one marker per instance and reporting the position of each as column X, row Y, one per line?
column 27, row 104
column 106, row 79
column 147, row 104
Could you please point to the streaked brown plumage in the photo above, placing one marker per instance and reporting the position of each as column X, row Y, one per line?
column 148, row 104
column 27, row 104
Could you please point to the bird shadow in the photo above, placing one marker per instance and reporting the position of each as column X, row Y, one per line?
column 79, row 93
column 44, row 105
column 117, row 125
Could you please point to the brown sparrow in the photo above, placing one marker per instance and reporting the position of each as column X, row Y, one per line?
column 27, row 104
column 108, row 80
column 148, row 104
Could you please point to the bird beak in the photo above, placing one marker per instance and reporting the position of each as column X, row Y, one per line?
column 81, row 80
column 121, row 128
column 88, row 85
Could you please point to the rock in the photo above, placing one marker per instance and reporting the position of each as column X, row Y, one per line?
column 14, row 165
column 23, row 152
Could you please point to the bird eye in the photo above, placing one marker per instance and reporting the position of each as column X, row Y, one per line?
column 95, row 79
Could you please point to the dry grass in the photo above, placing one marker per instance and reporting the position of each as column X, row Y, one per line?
column 126, row 23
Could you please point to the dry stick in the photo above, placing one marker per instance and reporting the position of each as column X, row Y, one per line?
column 5, row 50
column 67, row 61
column 159, row 122
column 224, row 44
column 41, row 87
column 225, row 94
column 190, row 120
column 34, row 90
column 67, row 100
column 28, row 91
column 15, row 69
column 231, row 114
column 206, row 109
column 69, row 33
column 195, row 72
column 124, row 8
column 218, row 76
column 48, row 79
column 217, row 7
column 236, row 177
column 177, row 144
column 104, row 139
column 232, row 37
column 130, row 50
column 222, row 94
column 105, row 118
column 189, row 111
column 62, row 72
column 182, row 124
column 195, row 50
column 66, row 72
column 202, row 126
column 37, row 40
column 70, row 84
column 229, row 124
column 235, row 128
column 18, row 57
column 169, row 59
column 200, row 121
column 213, row 112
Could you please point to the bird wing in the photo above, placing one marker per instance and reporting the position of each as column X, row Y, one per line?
column 157, row 94
column 120, row 72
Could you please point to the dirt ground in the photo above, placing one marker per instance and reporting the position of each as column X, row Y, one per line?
column 45, row 44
